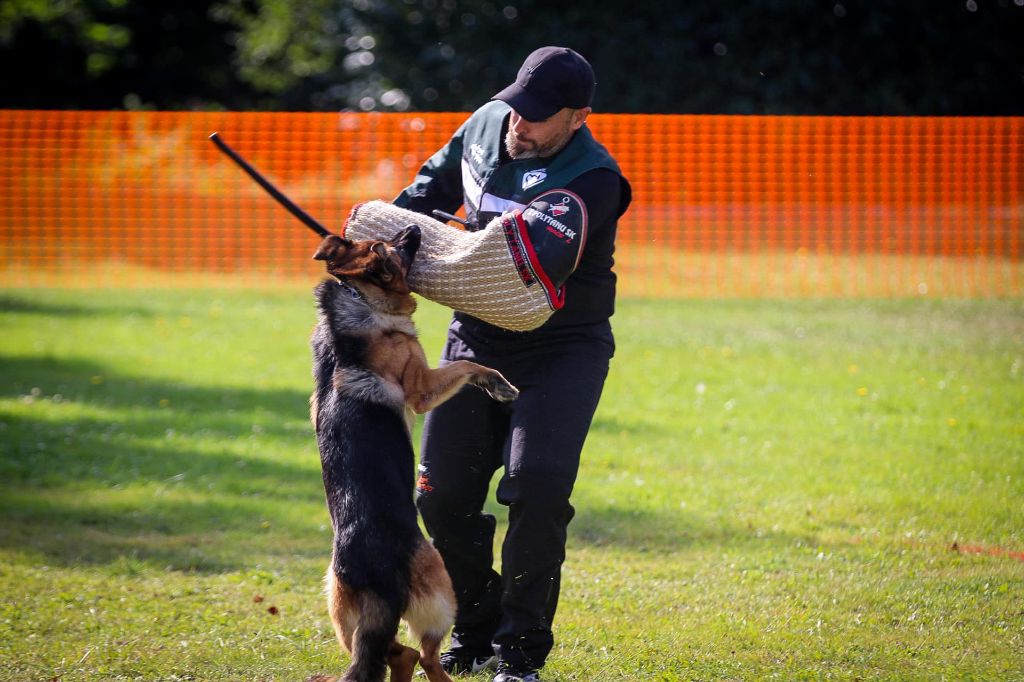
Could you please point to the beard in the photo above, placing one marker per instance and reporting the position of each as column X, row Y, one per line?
column 528, row 149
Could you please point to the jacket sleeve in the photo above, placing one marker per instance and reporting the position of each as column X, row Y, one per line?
column 438, row 184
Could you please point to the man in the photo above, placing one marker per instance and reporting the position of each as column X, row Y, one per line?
column 530, row 140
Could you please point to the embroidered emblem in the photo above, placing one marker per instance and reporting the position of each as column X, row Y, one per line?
column 477, row 152
column 534, row 177
column 561, row 208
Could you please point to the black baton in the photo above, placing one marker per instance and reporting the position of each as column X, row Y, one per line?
column 307, row 219
column 448, row 216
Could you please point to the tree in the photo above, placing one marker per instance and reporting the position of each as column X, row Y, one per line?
column 704, row 56
column 761, row 56
column 117, row 53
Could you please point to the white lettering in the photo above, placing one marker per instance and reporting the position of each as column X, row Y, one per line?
column 544, row 218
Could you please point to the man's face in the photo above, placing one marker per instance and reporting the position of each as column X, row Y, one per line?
column 526, row 140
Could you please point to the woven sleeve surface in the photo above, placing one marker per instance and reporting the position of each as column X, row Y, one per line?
column 477, row 273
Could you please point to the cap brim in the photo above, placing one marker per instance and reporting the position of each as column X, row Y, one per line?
column 528, row 106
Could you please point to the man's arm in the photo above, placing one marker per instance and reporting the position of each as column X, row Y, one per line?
column 575, row 226
column 438, row 184
column 601, row 192
column 606, row 197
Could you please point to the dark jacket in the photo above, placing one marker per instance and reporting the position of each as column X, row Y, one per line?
column 473, row 169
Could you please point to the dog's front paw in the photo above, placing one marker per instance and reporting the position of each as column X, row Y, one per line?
column 499, row 388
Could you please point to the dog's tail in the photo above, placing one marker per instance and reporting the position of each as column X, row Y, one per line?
column 373, row 638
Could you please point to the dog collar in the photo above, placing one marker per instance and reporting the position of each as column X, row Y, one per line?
column 353, row 292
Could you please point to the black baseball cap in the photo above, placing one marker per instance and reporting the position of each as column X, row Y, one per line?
column 551, row 78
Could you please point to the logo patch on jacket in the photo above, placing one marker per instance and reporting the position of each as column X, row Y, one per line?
column 560, row 208
column 477, row 152
column 534, row 177
column 556, row 222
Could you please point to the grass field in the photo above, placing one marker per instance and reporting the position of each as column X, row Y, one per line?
column 650, row 270
column 789, row 489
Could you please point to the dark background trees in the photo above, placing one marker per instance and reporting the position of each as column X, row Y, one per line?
column 762, row 56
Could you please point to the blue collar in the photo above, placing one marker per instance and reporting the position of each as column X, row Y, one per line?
column 353, row 292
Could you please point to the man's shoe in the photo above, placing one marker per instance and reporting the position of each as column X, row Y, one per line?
column 455, row 663
column 508, row 673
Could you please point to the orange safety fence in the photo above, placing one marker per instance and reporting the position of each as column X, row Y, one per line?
column 723, row 205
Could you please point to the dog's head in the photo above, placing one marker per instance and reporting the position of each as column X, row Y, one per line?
column 382, row 263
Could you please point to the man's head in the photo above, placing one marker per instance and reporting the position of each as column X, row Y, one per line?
column 550, row 100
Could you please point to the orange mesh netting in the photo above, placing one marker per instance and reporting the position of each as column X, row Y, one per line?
column 724, row 205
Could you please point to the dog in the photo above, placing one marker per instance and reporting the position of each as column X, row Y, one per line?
column 371, row 375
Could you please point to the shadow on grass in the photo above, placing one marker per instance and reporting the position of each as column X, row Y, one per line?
column 207, row 479
column 637, row 427
column 213, row 535
column 96, row 468
column 645, row 530
column 10, row 303
column 224, row 410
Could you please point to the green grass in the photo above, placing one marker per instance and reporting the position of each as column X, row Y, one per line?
column 772, row 489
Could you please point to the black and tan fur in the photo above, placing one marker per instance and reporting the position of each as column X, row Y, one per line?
column 370, row 372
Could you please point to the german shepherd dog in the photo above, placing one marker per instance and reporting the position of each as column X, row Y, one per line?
column 370, row 374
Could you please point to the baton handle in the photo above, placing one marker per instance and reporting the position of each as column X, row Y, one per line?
column 444, row 215
column 308, row 220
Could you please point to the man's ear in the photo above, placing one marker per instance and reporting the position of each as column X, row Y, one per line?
column 332, row 247
column 579, row 117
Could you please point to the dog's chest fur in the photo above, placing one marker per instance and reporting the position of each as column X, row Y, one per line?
column 358, row 343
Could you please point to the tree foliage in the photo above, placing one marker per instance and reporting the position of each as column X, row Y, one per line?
column 115, row 54
column 705, row 56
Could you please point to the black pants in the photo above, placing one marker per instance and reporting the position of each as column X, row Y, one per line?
column 537, row 439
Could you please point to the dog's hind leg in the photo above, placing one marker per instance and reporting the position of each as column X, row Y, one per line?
column 430, row 659
column 431, row 609
column 343, row 608
column 372, row 640
column 402, row 661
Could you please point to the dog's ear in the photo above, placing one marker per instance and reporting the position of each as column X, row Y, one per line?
column 387, row 268
column 332, row 247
